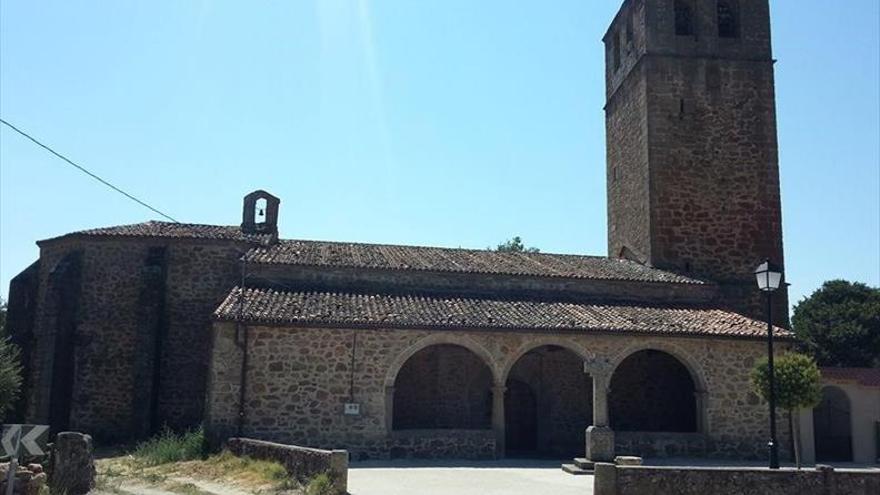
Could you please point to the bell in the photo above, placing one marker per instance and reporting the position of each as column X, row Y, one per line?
column 261, row 213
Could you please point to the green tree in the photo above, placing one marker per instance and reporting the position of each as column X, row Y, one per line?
column 515, row 245
column 10, row 368
column 797, row 386
column 839, row 324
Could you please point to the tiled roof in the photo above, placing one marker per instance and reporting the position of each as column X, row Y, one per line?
column 266, row 306
column 863, row 376
column 175, row 230
column 389, row 257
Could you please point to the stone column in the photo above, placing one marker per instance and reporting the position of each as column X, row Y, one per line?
column 702, row 401
column 498, row 419
column 389, row 409
column 599, row 436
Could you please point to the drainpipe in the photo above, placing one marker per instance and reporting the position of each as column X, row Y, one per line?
column 241, row 334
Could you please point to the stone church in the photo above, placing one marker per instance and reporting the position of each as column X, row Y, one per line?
column 403, row 351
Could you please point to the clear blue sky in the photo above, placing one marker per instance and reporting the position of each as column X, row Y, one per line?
column 447, row 122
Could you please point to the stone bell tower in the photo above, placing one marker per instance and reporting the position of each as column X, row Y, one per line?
column 693, row 175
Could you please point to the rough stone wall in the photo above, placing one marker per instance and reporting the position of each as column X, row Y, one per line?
column 112, row 359
column 652, row 391
column 302, row 464
column 643, row 480
column 693, row 178
column 298, row 381
column 443, row 387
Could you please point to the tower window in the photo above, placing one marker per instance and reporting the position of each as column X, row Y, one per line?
column 684, row 19
column 616, row 45
column 728, row 22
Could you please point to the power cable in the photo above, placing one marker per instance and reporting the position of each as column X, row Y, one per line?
column 87, row 172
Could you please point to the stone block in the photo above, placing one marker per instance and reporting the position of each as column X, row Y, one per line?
column 73, row 464
column 628, row 460
column 600, row 443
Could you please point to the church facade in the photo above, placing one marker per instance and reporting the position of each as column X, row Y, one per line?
column 404, row 351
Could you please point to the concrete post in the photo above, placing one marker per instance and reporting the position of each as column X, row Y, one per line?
column 605, row 479
column 498, row 425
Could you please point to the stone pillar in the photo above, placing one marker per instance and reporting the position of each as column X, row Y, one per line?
column 498, row 419
column 73, row 464
column 389, row 409
column 702, row 401
column 599, row 436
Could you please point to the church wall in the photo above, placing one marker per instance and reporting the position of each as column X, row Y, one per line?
column 298, row 382
column 117, row 330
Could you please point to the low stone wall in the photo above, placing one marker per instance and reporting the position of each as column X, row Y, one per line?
column 442, row 444
column 645, row 480
column 301, row 463
column 654, row 444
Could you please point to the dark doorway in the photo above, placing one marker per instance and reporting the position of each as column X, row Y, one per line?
column 443, row 387
column 520, row 418
column 832, row 426
column 548, row 404
column 651, row 391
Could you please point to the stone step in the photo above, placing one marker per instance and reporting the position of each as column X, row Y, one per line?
column 584, row 463
column 572, row 469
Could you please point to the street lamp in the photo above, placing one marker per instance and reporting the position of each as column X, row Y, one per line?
column 769, row 277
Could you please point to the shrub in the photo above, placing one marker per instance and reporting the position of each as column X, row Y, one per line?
column 321, row 484
column 170, row 447
column 10, row 376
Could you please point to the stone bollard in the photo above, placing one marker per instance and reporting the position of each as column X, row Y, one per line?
column 73, row 464
column 605, row 479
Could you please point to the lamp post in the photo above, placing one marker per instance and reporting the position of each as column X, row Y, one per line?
column 769, row 277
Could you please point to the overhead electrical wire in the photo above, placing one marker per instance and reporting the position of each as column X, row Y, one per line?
column 87, row 172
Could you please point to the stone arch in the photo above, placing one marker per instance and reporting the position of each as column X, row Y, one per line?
column 689, row 362
column 533, row 344
column 677, row 358
column 443, row 387
column 441, row 339
column 547, row 399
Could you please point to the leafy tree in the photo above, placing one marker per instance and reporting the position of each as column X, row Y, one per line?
column 515, row 245
column 839, row 324
column 797, row 386
column 10, row 368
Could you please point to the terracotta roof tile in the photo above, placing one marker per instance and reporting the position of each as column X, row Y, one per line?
column 388, row 257
column 174, row 230
column 266, row 306
column 393, row 257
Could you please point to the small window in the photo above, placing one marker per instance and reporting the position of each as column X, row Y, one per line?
column 728, row 22
column 616, row 44
column 684, row 19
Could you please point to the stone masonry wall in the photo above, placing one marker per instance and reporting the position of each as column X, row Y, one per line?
column 298, row 381
column 112, row 366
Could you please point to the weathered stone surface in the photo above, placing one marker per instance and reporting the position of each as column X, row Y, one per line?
column 301, row 463
column 73, row 464
column 693, row 176
column 29, row 480
column 600, row 443
column 642, row 480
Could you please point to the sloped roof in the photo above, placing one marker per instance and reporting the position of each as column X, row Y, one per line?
column 271, row 307
column 173, row 230
column 395, row 257
column 391, row 257
column 863, row 376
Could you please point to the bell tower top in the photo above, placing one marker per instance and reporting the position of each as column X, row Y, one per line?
column 260, row 213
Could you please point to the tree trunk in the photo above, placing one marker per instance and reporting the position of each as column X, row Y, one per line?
column 795, row 429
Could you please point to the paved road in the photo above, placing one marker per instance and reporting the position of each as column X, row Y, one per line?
column 505, row 477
